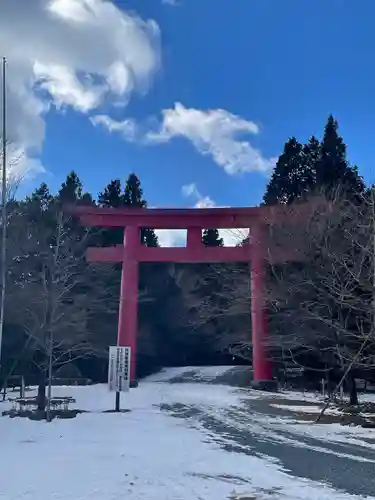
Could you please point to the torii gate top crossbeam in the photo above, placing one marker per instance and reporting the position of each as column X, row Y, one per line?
column 183, row 218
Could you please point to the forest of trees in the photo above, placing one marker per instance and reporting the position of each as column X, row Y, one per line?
column 321, row 310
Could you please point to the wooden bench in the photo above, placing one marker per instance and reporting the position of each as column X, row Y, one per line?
column 60, row 403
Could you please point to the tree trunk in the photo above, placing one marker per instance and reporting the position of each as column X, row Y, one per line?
column 41, row 397
column 353, row 394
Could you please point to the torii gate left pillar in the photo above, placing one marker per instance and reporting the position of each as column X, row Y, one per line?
column 128, row 308
column 132, row 253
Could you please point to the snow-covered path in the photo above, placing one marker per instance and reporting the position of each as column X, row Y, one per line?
column 147, row 453
column 341, row 456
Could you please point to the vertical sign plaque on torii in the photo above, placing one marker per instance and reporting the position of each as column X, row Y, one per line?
column 119, row 369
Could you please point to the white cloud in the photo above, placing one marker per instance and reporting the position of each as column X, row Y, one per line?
column 191, row 190
column 231, row 237
column 70, row 53
column 128, row 128
column 173, row 3
column 173, row 238
column 66, row 89
column 216, row 133
column 20, row 167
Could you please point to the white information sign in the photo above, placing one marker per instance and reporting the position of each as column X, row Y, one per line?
column 119, row 369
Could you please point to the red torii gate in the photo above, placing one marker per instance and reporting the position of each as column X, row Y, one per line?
column 132, row 253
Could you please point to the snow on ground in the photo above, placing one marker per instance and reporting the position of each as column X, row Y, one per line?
column 307, row 397
column 316, row 409
column 366, row 398
column 141, row 455
column 204, row 373
column 289, row 431
column 313, row 397
column 270, row 426
column 312, row 409
column 333, row 433
column 306, row 409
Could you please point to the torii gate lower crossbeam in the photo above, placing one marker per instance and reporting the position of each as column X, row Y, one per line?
column 132, row 253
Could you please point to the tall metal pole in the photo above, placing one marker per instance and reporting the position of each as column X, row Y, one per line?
column 3, row 207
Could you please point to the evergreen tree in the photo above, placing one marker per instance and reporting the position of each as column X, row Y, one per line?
column 311, row 154
column 149, row 237
column 332, row 164
column 40, row 198
column 311, row 151
column 333, row 170
column 133, row 197
column 111, row 196
column 71, row 192
column 87, row 199
column 71, row 189
column 284, row 185
column 211, row 238
column 314, row 167
column 40, row 212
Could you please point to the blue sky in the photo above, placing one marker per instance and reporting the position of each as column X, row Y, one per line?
column 265, row 69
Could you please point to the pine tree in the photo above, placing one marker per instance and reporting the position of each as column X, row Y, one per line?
column 311, row 151
column 211, row 238
column 284, row 186
column 71, row 189
column 149, row 237
column 39, row 208
column 40, row 198
column 111, row 196
column 333, row 170
column 332, row 164
column 311, row 154
column 313, row 168
column 133, row 197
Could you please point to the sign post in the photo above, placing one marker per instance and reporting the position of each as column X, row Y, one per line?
column 119, row 371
